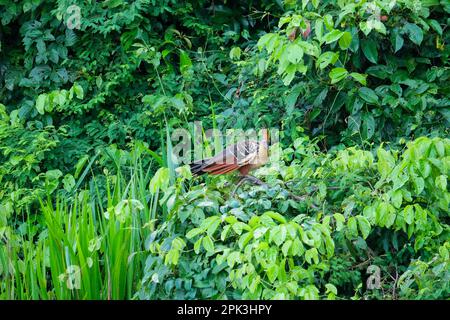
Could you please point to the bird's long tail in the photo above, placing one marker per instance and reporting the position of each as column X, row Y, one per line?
column 197, row 168
column 201, row 167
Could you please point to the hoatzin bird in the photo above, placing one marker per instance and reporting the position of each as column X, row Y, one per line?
column 244, row 156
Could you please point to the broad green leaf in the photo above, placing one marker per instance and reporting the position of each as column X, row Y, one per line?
column 368, row 95
column 328, row 20
column 185, row 62
column 213, row 226
column 331, row 288
column 419, row 184
column 441, row 182
column 415, row 33
column 326, row 59
column 297, row 247
column 436, row 26
column 345, row 40
column 369, row 48
column 224, row 233
column 364, row 226
column 408, row 213
column 276, row 216
column 294, row 53
column 312, row 255
column 40, row 103
column 192, row 233
column 333, row 36
column 233, row 258
column 397, row 198
column 368, row 125
column 340, row 219
column 208, row 244
column 78, row 90
column 397, row 42
column 352, row 227
column 286, row 246
column 304, row 3
column 235, row 53
column 319, row 29
column 361, row 78
column 197, row 245
column 338, row 74
column 272, row 273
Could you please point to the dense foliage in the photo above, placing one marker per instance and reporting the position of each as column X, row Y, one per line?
column 94, row 206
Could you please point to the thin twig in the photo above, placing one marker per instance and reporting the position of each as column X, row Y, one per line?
column 394, row 293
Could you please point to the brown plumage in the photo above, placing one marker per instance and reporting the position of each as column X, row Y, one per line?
column 243, row 156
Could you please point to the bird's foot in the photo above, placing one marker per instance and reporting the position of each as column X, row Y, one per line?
column 256, row 180
column 242, row 179
column 247, row 178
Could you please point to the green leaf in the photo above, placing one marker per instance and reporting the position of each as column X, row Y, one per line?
column 414, row 32
column 338, row 74
column 319, row 30
column 267, row 41
column 340, row 219
column 289, row 75
column 213, row 226
column 208, row 244
column 78, row 90
column 223, row 234
column 328, row 20
column 368, row 95
column 192, row 233
column 364, row 226
column 331, row 288
column 329, row 246
column 352, row 227
column 368, row 125
column 272, row 273
column 235, row 53
column 286, row 246
column 361, row 78
column 294, row 53
column 408, row 214
column 40, row 103
column 369, row 48
column 441, row 182
column 233, row 258
column 304, row 3
column 278, row 234
column 436, row 26
column 276, row 216
column 312, row 255
column 326, row 59
column 398, row 42
column 333, row 36
column 397, row 198
column 419, row 184
column 345, row 40
column 197, row 245
column 245, row 239
column 185, row 62
column 297, row 247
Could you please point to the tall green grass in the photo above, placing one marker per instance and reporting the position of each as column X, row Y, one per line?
column 87, row 244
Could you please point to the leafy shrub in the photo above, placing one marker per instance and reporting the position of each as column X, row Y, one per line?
column 267, row 246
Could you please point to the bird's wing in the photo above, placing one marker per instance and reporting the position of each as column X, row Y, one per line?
column 246, row 152
column 231, row 158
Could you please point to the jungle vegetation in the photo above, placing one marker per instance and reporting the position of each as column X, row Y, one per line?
column 93, row 204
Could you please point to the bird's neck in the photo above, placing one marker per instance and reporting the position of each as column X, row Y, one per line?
column 264, row 143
